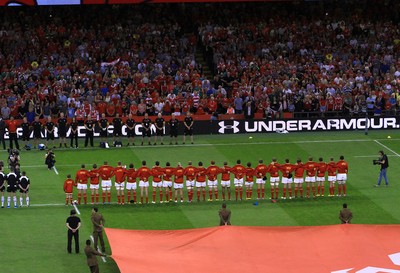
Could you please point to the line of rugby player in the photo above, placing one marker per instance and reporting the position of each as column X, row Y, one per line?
column 169, row 181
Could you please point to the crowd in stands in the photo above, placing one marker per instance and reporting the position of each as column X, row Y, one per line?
column 268, row 58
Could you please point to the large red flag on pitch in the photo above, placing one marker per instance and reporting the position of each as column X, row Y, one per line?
column 238, row 249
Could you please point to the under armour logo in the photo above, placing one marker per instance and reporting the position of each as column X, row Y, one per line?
column 224, row 127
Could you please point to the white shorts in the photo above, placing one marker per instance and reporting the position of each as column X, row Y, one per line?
column 238, row 182
column 167, row 184
column 178, row 186
column 274, row 179
column 131, row 186
column 248, row 184
column 226, row 183
column 143, row 184
column 298, row 180
column 341, row 177
column 120, row 186
column 260, row 181
column 332, row 178
column 157, row 184
column 286, row 180
column 94, row 186
column 310, row 179
column 320, row 179
column 212, row 183
column 190, row 183
column 106, row 184
column 81, row 186
column 201, row 184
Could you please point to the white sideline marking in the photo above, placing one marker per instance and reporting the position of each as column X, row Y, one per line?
column 386, row 147
column 358, row 156
column 76, row 209
column 98, row 249
column 55, row 170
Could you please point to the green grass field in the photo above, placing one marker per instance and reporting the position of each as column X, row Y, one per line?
column 34, row 239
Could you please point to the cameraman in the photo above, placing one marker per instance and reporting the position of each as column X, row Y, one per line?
column 14, row 158
column 50, row 159
column 384, row 162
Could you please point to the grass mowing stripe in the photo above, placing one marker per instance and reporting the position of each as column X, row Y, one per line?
column 386, row 147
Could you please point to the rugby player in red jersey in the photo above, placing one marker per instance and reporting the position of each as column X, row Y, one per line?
column 311, row 169
column 179, row 173
column 212, row 173
column 249, row 181
column 239, row 172
column 157, row 173
column 321, row 170
column 298, row 178
column 120, row 174
column 201, row 181
column 273, row 170
column 190, row 173
column 94, row 184
column 144, row 173
column 106, row 172
column 287, row 170
column 226, row 180
column 131, row 185
column 81, row 180
column 68, row 189
column 167, row 181
column 331, row 176
column 341, row 177
column 260, row 173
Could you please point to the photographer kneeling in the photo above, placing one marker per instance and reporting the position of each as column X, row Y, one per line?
column 50, row 160
column 384, row 162
column 13, row 158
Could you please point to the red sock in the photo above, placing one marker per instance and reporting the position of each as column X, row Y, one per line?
column 134, row 196
column 276, row 192
column 70, row 200
column 210, row 194
column 154, row 195
column 340, row 189
column 170, row 195
column 167, row 195
column 92, row 197
column 198, row 195
column 204, row 194
column 333, row 190
column 313, row 190
column 229, row 193
column 97, row 198
column 258, row 193
column 109, row 197
column 66, row 200
column 322, row 190
column 103, row 195
column 122, row 199
column 141, row 199
column 147, row 199
column 191, row 194
column 262, row 193
column 129, row 196
column 301, row 191
column 344, row 188
column 290, row 192
column 319, row 189
column 236, row 193
column 161, row 195
column 241, row 193
column 216, row 194
column 284, row 192
column 223, row 194
column 272, row 193
column 119, row 199
column 308, row 191
column 85, row 198
column 296, row 190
